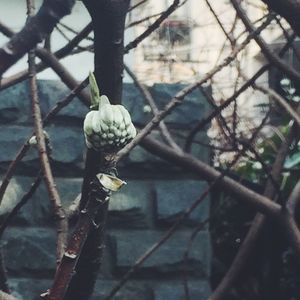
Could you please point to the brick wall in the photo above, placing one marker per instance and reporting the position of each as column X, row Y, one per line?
column 139, row 214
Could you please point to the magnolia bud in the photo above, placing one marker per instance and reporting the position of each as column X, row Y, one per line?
column 109, row 128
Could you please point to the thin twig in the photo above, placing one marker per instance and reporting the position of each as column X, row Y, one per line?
column 49, row 60
column 228, row 36
column 281, row 101
column 72, row 43
column 75, row 31
column 137, row 22
column 26, row 146
column 287, row 36
column 271, row 56
column 21, row 203
column 155, row 246
column 148, row 97
column 131, row 8
column 179, row 97
column 170, row 232
column 153, row 26
column 250, row 241
column 226, row 103
column 61, row 221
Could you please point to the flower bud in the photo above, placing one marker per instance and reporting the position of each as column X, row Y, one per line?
column 109, row 128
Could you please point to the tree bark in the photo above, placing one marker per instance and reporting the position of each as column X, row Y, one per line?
column 108, row 19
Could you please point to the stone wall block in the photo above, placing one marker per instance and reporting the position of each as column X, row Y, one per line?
column 168, row 260
column 132, row 206
column 52, row 91
column 198, row 290
column 38, row 209
column 173, row 197
column 31, row 252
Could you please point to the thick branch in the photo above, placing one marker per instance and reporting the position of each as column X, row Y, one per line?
column 49, row 59
column 35, row 30
column 289, row 9
column 88, row 217
column 190, row 163
column 108, row 18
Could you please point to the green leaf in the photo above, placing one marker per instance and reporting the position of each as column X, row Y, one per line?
column 95, row 94
column 103, row 100
column 292, row 160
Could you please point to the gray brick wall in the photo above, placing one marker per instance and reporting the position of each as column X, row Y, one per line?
column 156, row 194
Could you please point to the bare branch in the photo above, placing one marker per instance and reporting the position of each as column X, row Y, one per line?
column 282, row 102
column 62, row 225
column 26, row 197
column 270, row 55
column 148, row 97
column 88, row 218
column 25, row 147
column 250, row 241
column 171, row 231
column 34, row 31
column 131, row 8
column 179, row 97
column 153, row 26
